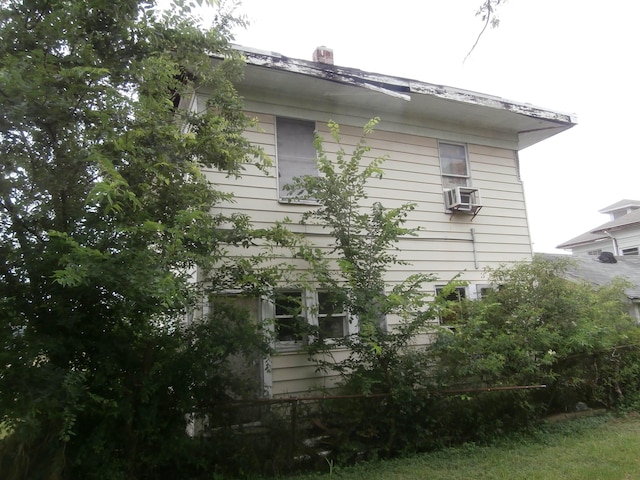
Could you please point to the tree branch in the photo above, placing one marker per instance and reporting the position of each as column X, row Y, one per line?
column 489, row 18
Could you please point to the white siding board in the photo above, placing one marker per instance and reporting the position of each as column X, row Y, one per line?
column 503, row 166
column 265, row 122
column 431, row 223
column 504, row 186
column 489, row 191
column 502, row 204
column 411, row 174
column 398, row 169
column 245, row 182
column 350, row 135
column 302, row 387
column 396, row 161
column 491, row 177
column 295, row 374
column 295, row 371
column 296, row 365
column 627, row 238
column 385, row 188
column 249, row 192
column 418, row 249
column 262, row 139
column 490, row 152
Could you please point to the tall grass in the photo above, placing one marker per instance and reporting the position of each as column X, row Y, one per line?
column 603, row 448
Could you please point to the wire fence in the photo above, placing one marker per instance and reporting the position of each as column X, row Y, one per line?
column 279, row 435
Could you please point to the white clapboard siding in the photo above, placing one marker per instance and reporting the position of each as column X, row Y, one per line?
column 296, row 374
column 444, row 245
column 628, row 238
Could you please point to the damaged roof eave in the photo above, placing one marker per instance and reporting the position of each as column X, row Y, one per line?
column 529, row 123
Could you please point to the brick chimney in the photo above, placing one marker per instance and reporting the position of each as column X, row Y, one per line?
column 323, row 55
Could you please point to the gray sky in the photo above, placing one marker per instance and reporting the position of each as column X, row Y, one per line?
column 573, row 56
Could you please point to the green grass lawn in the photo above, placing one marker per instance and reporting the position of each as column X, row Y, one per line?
column 597, row 448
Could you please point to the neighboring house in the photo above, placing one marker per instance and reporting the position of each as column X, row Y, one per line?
column 452, row 152
column 620, row 235
column 588, row 268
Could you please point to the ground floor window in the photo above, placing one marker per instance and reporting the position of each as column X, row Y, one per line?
column 300, row 315
column 333, row 321
column 452, row 312
column 289, row 317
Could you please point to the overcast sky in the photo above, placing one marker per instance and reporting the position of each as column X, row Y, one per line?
column 572, row 56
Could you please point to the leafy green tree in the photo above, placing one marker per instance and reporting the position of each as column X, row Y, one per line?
column 104, row 216
column 381, row 359
column 536, row 327
column 365, row 241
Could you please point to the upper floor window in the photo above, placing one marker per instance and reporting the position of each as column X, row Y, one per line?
column 630, row 251
column 454, row 165
column 296, row 154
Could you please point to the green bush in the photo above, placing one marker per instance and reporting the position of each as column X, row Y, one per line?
column 535, row 327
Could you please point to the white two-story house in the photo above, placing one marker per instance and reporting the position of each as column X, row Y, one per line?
column 619, row 236
column 452, row 152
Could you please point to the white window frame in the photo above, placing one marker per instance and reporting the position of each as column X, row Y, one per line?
column 630, row 251
column 480, row 287
column 305, row 162
column 464, row 290
column 272, row 313
column 446, row 175
column 309, row 314
column 320, row 315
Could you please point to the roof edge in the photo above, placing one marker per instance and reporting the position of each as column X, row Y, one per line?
column 399, row 86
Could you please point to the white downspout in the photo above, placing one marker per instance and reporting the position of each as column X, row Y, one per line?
column 614, row 243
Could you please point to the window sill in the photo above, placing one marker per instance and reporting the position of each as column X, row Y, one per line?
column 286, row 201
column 289, row 347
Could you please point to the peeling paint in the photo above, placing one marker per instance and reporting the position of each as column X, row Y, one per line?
column 396, row 86
column 465, row 96
column 519, row 124
column 332, row 73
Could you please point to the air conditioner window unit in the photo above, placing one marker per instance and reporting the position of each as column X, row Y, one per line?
column 462, row 199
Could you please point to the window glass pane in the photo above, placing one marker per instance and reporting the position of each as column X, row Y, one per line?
column 327, row 304
column 331, row 316
column 449, row 182
column 289, row 329
column 453, row 311
column 331, row 327
column 245, row 306
column 288, row 304
column 289, row 321
column 484, row 292
column 458, row 294
column 235, row 310
column 295, row 150
column 453, row 159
